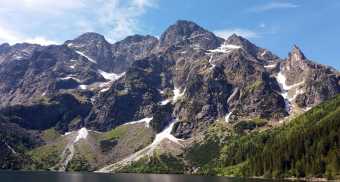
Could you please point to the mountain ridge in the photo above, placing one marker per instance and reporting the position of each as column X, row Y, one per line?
column 143, row 94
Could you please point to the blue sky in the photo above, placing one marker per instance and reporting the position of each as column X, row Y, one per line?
column 273, row 24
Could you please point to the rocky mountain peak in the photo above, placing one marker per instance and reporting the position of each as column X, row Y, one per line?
column 135, row 39
column 138, row 38
column 239, row 40
column 4, row 47
column 189, row 31
column 87, row 38
column 91, row 36
column 249, row 47
column 297, row 60
column 296, row 54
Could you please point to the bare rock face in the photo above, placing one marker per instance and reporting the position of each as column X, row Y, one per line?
column 186, row 33
column 135, row 96
column 95, row 47
column 115, row 57
column 17, row 51
column 48, row 71
column 189, row 76
column 257, row 52
column 315, row 82
column 130, row 49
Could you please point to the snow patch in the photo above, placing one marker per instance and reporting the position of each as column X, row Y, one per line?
column 72, row 66
column 145, row 120
column 10, row 148
column 233, row 94
column 69, row 150
column 161, row 91
column 147, row 151
column 281, row 79
column 225, row 48
column 177, row 94
column 297, row 92
column 111, row 76
column 166, row 134
column 70, row 77
column 307, row 109
column 210, row 61
column 104, row 89
column 165, row 102
column 82, row 134
column 88, row 58
column 83, row 87
column 67, row 133
column 227, row 116
column 270, row 66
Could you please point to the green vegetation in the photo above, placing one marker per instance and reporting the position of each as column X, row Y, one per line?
column 257, row 84
column 307, row 147
column 163, row 163
column 78, row 163
column 50, row 135
column 46, row 156
column 116, row 132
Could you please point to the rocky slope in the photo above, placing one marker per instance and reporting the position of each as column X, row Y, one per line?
column 123, row 101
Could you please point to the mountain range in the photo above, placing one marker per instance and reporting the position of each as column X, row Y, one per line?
column 147, row 104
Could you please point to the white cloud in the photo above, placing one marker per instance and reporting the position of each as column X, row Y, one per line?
column 273, row 6
column 40, row 40
column 13, row 37
column 122, row 16
column 8, row 36
column 40, row 6
column 40, row 20
column 225, row 33
column 144, row 3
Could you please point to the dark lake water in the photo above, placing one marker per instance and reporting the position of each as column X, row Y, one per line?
column 6, row 176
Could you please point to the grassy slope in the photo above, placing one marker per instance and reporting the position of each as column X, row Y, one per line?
column 308, row 146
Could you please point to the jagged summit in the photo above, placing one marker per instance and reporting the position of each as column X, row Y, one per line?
column 137, row 38
column 251, row 48
column 296, row 54
column 147, row 91
column 184, row 30
column 86, row 38
column 91, row 35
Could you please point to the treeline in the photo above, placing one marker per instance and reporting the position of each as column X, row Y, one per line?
column 309, row 146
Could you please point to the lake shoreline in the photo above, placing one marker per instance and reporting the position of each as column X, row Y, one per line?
column 22, row 172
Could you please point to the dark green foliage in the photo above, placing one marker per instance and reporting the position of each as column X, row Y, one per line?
column 244, row 125
column 201, row 154
column 308, row 146
column 78, row 164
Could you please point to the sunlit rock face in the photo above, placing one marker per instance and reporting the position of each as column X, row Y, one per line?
column 173, row 87
column 316, row 82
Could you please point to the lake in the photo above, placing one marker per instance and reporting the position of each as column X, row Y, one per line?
column 6, row 176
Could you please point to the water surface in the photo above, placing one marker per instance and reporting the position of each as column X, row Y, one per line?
column 9, row 176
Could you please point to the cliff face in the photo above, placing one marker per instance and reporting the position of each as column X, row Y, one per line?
column 189, row 78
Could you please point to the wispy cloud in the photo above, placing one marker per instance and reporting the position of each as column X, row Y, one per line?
column 273, row 6
column 13, row 37
column 34, row 20
column 123, row 17
column 225, row 33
